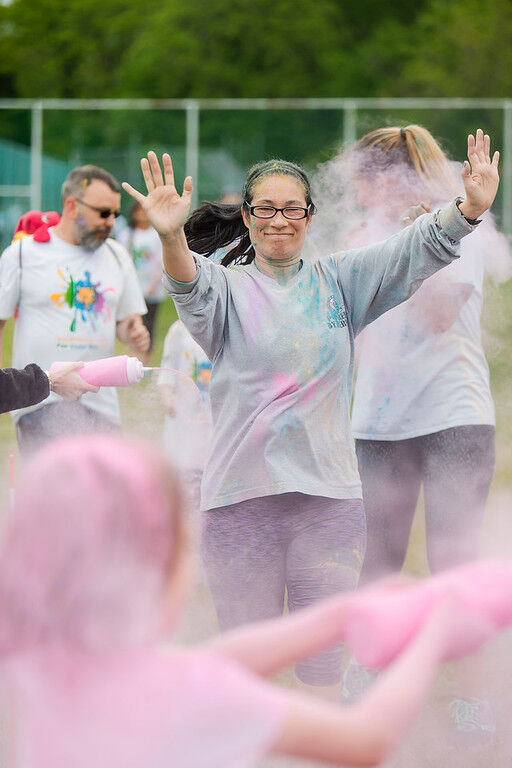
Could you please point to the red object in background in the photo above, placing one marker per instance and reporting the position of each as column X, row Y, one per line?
column 36, row 223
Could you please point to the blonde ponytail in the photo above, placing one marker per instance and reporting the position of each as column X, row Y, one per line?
column 416, row 146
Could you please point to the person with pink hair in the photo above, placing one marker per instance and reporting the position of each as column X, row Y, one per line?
column 93, row 576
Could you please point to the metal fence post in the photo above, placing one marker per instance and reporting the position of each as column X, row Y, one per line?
column 349, row 123
column 507, row 168
column 36, row 156
column 192, row 150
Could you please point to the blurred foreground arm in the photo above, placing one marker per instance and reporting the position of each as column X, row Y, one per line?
column 266, row 647
column 365, row 734
column 21, row 388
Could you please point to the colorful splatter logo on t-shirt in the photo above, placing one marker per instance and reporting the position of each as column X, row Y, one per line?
column 201, row 376
column 85, row 297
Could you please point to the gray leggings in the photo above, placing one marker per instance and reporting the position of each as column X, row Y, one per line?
column 309, row 545
column 455, row 466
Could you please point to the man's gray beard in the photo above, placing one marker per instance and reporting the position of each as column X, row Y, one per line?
column 86, row 237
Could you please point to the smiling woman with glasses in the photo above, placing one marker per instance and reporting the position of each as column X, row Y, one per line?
column 281, row 493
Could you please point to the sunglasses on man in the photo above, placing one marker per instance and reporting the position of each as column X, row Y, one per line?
column 104, row 213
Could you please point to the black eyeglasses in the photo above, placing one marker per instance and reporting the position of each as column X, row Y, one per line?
column 268, row 211
column 105, row 213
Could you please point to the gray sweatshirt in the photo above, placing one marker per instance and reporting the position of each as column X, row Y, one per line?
column 283, row 354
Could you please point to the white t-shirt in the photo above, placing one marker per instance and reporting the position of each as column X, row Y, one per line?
column 69, row 301
column 187, row 434
column 145, row 248
column 412, row 381
column 193, row 709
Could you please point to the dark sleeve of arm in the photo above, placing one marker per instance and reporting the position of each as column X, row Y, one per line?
column 19, row 389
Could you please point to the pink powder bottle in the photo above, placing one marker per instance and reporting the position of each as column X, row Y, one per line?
column 118, row 371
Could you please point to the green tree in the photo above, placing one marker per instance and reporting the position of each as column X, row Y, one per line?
column 462, row 48
column 58, row 48
column 255, row 48
column 251, row 48
column 453, row 48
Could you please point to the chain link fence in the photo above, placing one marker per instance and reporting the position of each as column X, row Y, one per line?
column 215, row 140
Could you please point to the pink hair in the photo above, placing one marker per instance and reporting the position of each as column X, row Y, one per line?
column 88, row 548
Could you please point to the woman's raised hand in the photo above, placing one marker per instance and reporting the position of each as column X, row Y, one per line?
column 166, row 209
column 480, row 176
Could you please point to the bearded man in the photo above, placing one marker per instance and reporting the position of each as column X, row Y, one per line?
column 75, row 290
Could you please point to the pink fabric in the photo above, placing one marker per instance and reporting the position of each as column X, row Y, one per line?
column 86, row 552
column 84, row 567
column 153, row 709
column 380, row 626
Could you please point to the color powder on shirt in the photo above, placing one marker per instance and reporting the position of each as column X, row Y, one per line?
column 201, row 376
column 85, row 297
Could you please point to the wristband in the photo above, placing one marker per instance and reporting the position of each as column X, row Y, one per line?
column 473, row 222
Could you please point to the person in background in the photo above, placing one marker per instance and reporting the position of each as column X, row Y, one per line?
column 93, row 580
column 187, row 425
column 230, row 197
column 143, row 244
column 423, row 413
column 75, row 291
column 21, row 388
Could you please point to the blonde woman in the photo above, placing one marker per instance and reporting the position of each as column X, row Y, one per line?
column 423, row 413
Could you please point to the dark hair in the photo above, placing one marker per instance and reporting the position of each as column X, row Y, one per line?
column 214, row 225
column 135, row 206
column 80, row 178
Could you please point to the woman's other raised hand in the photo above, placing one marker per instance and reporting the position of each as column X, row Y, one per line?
column 480, row 176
